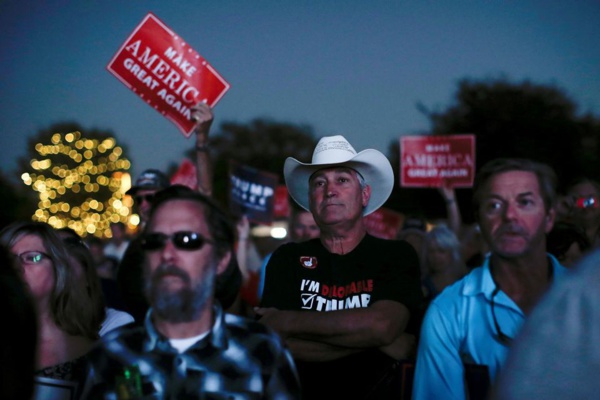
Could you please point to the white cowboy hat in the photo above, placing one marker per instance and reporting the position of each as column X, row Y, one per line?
column 335, row 151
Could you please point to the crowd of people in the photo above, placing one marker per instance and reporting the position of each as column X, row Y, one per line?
column 447, row 310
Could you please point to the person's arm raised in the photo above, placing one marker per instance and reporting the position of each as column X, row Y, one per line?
column 202, row 114
column 243, row 236
column 454, row 218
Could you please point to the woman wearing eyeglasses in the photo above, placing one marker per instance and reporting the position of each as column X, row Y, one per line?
column 67, row 322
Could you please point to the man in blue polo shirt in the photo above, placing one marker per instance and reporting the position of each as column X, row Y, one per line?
column 467, row 330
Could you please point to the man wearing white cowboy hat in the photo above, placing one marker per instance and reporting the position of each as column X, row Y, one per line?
column 368, row 286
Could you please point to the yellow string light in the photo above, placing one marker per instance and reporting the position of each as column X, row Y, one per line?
column 98, row 177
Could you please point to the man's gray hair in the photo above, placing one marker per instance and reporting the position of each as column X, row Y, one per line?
column 361, row 180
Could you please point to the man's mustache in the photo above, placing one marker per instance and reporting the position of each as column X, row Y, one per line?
column 171, row 270
column 512, row 229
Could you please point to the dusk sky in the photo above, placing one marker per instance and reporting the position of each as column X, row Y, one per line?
column 356, row 68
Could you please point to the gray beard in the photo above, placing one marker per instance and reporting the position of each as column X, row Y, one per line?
column 184, row 305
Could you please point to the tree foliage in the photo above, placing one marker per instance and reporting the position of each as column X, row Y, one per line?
column 17, row 204
column 261, row 144
column 522, row 119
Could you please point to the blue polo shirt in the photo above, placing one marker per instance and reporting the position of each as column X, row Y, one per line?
column 459, row 329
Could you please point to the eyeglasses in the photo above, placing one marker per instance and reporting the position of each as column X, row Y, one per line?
column 500, row 336
column 182, row 240
column 140, row 198
column 586, row 202
column 33, row 257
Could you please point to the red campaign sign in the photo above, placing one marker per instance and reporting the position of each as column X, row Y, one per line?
column 281, row 208
column 435, row 161
column 384, row 223
column 166, row 72
column 186, row 175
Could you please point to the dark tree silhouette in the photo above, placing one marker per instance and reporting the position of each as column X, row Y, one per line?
column 261, row 144
column 16, row 202
column 522, row 119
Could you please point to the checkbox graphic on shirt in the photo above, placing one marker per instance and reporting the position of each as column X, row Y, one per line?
column 308, row 300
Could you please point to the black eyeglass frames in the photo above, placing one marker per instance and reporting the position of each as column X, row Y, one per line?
column 147, row 197
column 32, row 257
column 500, row 336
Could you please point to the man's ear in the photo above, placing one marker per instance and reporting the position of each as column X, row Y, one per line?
column 223, row 263
column 366, row 195
column 549, row 219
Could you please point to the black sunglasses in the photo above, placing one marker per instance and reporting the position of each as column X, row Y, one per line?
column 140, row 198
column 500, row 336
column 182, row 240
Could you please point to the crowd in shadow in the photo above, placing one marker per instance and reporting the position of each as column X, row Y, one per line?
column 185, row 309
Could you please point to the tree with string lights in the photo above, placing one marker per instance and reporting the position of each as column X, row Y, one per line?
column 80, row 177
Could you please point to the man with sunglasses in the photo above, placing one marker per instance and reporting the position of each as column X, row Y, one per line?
column 147, row 184
column 467, row 330
column 188, row 348
column 129, row 273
